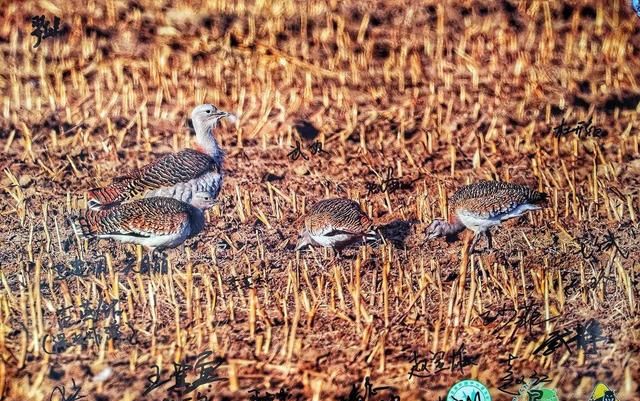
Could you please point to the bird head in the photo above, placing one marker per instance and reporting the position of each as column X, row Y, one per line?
column 203, row 200
column 436, row 229
column 303, row 240
column 208, row 115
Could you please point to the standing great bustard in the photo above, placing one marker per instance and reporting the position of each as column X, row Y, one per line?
column 335, row 223
column 482, row 205
column 155, row 223
column 176, row 175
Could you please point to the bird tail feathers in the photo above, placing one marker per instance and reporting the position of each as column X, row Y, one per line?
column 539, row 197
column 371, row 235
column 102, row 198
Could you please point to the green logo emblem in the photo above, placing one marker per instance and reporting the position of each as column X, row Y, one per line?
column 535, row 393
column 468, row 390
column 543, row 394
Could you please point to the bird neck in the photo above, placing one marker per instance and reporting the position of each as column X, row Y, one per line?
column 453, row 226
column 196, row 217
column 206, row 142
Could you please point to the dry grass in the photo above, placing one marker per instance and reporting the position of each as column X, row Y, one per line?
column 444, row 94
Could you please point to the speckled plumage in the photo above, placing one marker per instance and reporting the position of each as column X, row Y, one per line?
column 334, row 223
column 485, row 204
column 487, row 199
column 177, row 175
column 157, row 222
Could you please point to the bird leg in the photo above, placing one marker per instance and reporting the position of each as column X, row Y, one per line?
column 148, row 267
column 488, row 235
column 160, row 263
column 337, row 255
column 145, row 262
column 152, row 251
column 476, row 237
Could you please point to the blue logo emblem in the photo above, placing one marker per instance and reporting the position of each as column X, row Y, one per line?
column 468, row 390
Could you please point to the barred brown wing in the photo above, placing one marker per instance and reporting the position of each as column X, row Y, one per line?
column 172, row 169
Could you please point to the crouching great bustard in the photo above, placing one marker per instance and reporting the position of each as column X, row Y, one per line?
column 176, row 175
column 335, row 223
column 482, row 205
column 155, row 223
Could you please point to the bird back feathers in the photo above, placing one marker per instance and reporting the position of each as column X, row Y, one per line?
column 513, row 192
column 169, row 170
column 341, row 214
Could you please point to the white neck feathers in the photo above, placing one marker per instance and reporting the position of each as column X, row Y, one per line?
column 207, row 142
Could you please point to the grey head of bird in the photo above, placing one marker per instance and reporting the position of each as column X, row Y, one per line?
column 203, row 200
column 208, row 115
column 437, row 228
column 304, row 239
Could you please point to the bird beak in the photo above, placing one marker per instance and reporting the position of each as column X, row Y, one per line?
column 302, row 242
column 229, row 116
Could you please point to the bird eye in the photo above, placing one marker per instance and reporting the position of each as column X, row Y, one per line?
column 208, row 111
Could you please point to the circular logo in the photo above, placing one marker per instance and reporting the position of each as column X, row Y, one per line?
column 468, row 390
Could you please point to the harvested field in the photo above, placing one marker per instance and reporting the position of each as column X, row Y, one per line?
column 394, row 104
